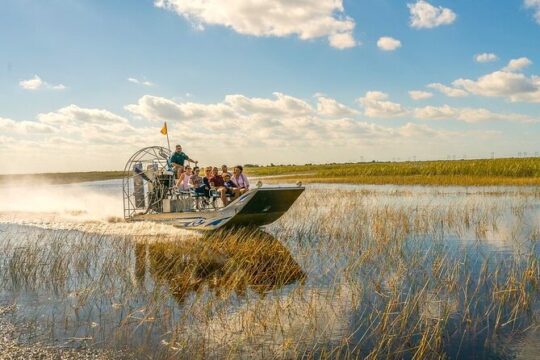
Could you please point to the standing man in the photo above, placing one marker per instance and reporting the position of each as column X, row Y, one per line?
column 177, row 160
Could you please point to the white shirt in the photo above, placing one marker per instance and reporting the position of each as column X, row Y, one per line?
column 240, row 181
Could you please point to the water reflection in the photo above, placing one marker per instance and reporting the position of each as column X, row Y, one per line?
column 222, row 262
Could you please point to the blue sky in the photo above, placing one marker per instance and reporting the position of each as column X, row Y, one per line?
column 83, row 84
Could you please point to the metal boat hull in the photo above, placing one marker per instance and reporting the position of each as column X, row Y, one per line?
column 256, row 207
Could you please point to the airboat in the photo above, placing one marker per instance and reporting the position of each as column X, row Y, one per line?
column 149, row 195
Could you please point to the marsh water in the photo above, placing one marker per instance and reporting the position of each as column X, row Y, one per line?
column 350, row 271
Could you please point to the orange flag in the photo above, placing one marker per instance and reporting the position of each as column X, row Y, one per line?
column 164, row 128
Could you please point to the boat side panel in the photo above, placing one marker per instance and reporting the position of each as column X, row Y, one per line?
column 265, row 207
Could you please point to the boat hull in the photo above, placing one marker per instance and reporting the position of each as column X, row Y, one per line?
column 256, row 207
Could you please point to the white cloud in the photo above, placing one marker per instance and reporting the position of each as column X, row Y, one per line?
column 306, row 19
column 447, row 90
column 158, row 108
column 535, row 6
column 419, row 95
column 508, row 82
column 6, row 141
column 6, row 124
column 342, row 40
column 515, row 65
column 485, row 57
column 514, row 86
column 376, row 104
column 140, row 82
column 422, row 131
column 25, row 127
column 36, row 83
column 330, row 107
column 425, row 16
column 31, row 84
column 279, row 122
column 387, row 43
column 470, row 115
column 73, row 114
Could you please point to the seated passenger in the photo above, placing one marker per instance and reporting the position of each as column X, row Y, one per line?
column 199, row 185
column 225, row 171
column 230, row 189
column 217, row 182
column 184, row 179
column 206, row 180
column 195, row 180
column 240, row 179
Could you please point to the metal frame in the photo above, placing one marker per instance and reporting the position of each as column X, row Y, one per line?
column 152, row 155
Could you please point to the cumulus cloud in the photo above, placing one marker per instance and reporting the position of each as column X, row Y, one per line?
column 516, row 65
column 84, row 139
column 423, row 15
column 94, row 126
column 509, row 82
column 37, row 83
column 422, row 131
column 31, row 84
column 330, row 107
column 74, row 114
column 342, row 40
column 514, row 86
column 420, row 95
column 376, row 104
column 485, row 57
column 158, row 108
column 140, row 82
column 498, row 83
column 25, row 127
column 280, row 18
column 281, row 121
column 447, row 90
column 535, row 6
column 387, row 43
column 470, row 115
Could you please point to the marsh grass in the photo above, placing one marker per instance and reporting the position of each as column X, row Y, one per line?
column 485, row 172
column 358, row 275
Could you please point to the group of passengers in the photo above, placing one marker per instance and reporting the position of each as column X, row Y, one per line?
column 228, row 186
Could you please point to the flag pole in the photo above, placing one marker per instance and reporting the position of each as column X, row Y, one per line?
column 165, row 131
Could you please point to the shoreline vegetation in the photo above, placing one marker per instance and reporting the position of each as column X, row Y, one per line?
column 507, row 171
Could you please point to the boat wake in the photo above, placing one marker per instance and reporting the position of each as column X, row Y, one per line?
column 73, row 207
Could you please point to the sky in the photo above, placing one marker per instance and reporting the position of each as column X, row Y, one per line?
column 84, row 83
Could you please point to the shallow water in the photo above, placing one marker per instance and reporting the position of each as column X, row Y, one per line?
column 362, row 271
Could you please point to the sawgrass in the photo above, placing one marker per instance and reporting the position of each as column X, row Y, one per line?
column 335, row 279
column 511, row 171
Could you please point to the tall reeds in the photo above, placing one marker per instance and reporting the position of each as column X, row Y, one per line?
column 509, row 171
